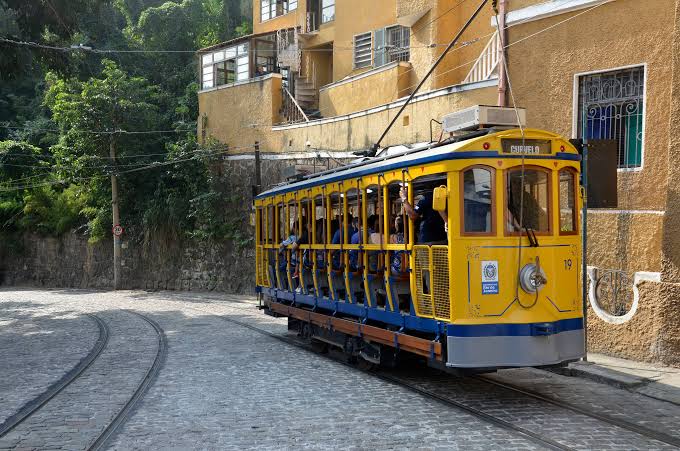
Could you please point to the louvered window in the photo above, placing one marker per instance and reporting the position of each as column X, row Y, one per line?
column 362, row 50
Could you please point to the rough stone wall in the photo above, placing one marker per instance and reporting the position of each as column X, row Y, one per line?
column 152, row 262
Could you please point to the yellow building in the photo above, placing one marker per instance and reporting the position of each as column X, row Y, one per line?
column 328, row 74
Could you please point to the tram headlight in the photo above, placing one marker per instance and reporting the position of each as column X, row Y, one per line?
column 532, row 278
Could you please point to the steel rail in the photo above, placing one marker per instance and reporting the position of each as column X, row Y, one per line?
column 623, row 424
column 142, row 388
column 32, row 406
column 531, row 436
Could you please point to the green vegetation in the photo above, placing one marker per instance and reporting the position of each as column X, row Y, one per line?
column 61, row 112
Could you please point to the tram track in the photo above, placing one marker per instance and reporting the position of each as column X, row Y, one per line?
column 34, row 405
column 638, row 429
column 150, row 376
column 107, row 431
column 541, row 439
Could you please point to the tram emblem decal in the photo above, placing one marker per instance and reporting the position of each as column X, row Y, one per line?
column 490, row 277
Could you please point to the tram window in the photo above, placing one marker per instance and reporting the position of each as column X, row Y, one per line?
column 478, row 200
column 398, row 220
column 567, row 201
column 293, row 220
column 354, row 216
column 320, row 218
column 306, row 225
column 430, row 224
column 270, row 224
column 283, row 230
column 532, row 208
column 374, row 212
column 335, row 236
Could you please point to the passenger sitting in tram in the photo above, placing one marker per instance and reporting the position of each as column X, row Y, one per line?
column 337, row 239
column 431, row 230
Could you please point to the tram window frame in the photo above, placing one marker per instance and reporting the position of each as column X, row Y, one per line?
column 506, row 210
column 394, row 200
column 492, row 172
column 293, row 217
column 574, row 210
column 305, row 207
column 353, row 203
column 372, row 197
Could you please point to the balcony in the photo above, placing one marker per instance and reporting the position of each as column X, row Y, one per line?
column 378, row 86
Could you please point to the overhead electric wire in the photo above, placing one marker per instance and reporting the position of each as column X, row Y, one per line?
column 99, row 132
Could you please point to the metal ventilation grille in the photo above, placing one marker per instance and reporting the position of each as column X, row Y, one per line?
column 423, row 296
column 501, row 116
column 259, row 276
column 440, row 285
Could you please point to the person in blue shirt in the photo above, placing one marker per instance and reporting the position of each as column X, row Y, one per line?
column 356, row 239
column 337, row 239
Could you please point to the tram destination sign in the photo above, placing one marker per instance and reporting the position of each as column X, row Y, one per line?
column 526, row 146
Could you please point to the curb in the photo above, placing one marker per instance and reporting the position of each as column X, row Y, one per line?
column 629, row 383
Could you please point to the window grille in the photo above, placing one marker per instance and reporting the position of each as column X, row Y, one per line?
column 362, row 50
column 398, row 42
column 611, row 106
column 327, row 10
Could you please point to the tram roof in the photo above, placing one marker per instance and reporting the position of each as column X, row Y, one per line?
column 419, row 155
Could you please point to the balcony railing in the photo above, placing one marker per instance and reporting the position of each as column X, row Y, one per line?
column 485, row 66
column 290, row 109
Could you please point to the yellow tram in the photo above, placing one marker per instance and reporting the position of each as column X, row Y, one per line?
column 343, row 256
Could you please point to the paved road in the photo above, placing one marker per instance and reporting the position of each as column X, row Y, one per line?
column 224, row 386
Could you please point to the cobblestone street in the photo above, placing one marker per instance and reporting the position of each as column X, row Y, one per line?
column 223, row 385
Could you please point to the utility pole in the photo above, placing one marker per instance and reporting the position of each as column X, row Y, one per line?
column 116, row 215
column 502, row 62
column 258, row 170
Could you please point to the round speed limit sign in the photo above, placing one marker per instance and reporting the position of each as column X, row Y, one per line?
column 118, row 230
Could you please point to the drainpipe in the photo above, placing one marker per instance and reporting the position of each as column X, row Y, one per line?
column 502, row 34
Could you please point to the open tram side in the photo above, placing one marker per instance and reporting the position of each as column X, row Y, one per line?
column 502, row 289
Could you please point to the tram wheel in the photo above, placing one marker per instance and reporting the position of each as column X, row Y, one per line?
column 319, row 346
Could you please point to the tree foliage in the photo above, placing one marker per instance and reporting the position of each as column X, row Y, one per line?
column 62, row 111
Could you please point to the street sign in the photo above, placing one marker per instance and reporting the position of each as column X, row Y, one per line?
column 118, row 230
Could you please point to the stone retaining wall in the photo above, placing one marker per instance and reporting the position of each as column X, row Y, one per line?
column 153, row 262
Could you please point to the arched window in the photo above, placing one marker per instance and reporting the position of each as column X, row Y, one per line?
column 478, row 200
column 568, row 216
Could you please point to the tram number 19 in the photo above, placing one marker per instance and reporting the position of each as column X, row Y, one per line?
column 567, row 264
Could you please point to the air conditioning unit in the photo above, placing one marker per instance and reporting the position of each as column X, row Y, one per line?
column 483, row 116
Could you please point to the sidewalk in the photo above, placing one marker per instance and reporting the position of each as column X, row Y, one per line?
column 638, row 377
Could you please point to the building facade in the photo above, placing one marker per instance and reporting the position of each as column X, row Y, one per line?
column 326, row 76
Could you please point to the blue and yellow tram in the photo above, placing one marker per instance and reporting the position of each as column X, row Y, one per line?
column 466, row 253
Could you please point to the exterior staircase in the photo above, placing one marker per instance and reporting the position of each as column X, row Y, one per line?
column 306, row 94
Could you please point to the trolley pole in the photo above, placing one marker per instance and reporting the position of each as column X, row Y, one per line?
column 584, row 249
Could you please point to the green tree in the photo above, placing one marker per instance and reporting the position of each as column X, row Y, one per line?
column 114, row 110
